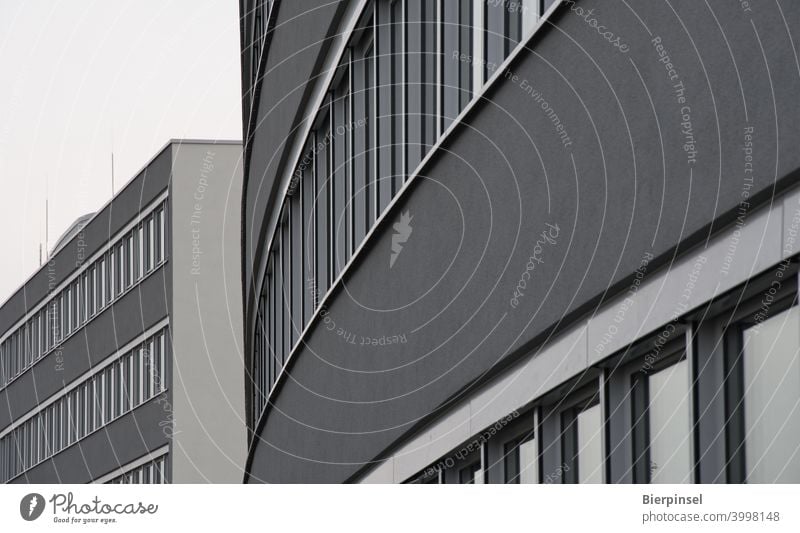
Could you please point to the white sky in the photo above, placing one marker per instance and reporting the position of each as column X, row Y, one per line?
column 77, row 76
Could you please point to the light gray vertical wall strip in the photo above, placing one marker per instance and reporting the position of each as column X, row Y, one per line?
column 209, row 430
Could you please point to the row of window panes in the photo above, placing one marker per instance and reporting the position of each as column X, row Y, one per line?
column 662, row 421
column 152, row 472
column 408, row 72
column 128, row 382
column 131, row 257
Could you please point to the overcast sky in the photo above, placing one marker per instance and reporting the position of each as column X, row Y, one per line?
column 79, row 78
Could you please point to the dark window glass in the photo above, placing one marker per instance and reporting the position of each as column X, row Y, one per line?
column 471, row 474
column 662, row 422
column 296, row 227
column 581, row 443
column 503, row 32
column 322, row 208
column 399, row 90
column 309, row 251
column 521, row 460
column 341, row 171
column 385, row 58
column 270, row 354
column 286, row 258
column 362, row 187
column 420, row 80
column 279, row 328
column 456, row 52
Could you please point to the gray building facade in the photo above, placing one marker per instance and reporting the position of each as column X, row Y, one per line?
column 120, row 358
column 521, row 241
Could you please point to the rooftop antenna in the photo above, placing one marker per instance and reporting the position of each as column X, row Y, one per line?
column 113, row 185
column 47, row 217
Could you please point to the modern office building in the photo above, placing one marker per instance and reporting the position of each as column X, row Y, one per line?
column 120, row 358
column 521, row 241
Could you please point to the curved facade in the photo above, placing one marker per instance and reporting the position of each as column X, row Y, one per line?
column 458, row 215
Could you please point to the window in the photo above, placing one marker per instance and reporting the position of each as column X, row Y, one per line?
column 69, row 295
column 286, row 289
column 91, row 291
column 107, row 379
column 116, row 389
column 339, row 226
column 97, row 408
column 137, row 373
column 361, row 199
column 771, row 368
column 101, row 284
column 309, row 251
column 661, row 424
column 113, row 274
column 162, row 234
column 119, row 268
column 421, row 55
column 258, row 359
column 262, row 362
column 456, row 89
column 130, row 264
column 140, row 251
column 162, row 362
column 296, row 267
column 389, row 100
column 470, row 475
column 76, row 304
column 275, row 320
column 521, row 460
column 548, row 3
column 58, row 426
column 148, row 244
column 322, row 209
column 148, row 385
column 581, row 442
